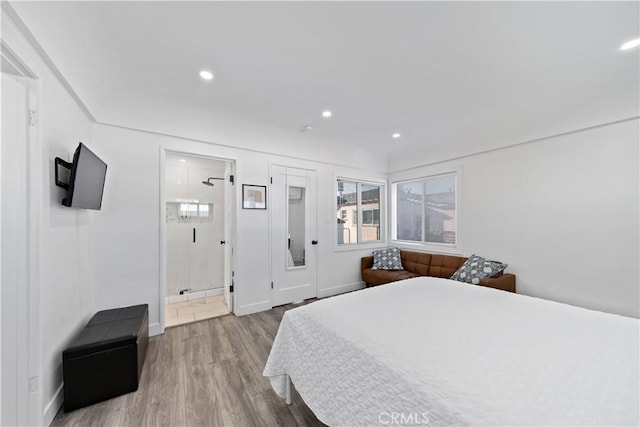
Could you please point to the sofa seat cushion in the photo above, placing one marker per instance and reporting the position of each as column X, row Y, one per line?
column 379, row 277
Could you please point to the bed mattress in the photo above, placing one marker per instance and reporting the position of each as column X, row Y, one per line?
column 438, row 352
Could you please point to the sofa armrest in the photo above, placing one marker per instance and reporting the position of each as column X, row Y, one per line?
column 366, row 262
column 505, row 282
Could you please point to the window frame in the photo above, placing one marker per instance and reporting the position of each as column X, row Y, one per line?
column 452, row 248
column 359, row 245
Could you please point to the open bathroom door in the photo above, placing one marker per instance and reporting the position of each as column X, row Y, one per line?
column 228, row 235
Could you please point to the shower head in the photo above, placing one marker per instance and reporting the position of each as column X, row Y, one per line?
column 208, row 181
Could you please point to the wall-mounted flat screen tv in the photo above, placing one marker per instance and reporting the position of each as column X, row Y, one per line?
column 86, row 180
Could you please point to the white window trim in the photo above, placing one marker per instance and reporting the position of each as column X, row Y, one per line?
column 444, row 248
column 383, row 242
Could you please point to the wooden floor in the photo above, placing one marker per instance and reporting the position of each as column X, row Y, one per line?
column 207, row 373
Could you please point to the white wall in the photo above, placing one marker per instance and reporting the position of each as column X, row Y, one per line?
column 65, row 251
column 127, row 269
column 562, row 212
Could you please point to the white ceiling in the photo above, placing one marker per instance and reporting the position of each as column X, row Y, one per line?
column 452, row 77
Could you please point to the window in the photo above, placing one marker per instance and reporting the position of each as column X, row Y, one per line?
column 370, row 216
column 362, row 200
column 203, row 210
column 425, row 210
column 190, row 209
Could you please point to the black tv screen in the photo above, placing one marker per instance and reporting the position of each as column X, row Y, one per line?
column 86, row 181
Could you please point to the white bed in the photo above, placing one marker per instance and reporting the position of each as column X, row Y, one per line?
column 434, row 351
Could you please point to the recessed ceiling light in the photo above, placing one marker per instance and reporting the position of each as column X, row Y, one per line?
column 326, row 114
column 206, row 75
column 395, row 135
column 183, row 160
column 630, row 44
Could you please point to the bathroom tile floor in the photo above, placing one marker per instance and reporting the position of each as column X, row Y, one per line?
column 181, row 313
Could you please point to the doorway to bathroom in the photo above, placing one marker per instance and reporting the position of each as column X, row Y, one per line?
column 198, row 223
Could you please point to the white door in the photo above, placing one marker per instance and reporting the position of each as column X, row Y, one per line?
column 294, row 235
column 228, row 236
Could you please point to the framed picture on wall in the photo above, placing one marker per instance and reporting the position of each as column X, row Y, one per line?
column 254, row 196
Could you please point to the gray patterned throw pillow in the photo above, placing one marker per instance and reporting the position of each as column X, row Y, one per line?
column 476, row 268
column 387, row 259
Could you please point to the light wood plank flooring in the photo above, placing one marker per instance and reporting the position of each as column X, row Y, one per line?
column 207, row 373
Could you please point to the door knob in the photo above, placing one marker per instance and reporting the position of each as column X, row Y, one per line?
column 314, row 242
column 222, row 242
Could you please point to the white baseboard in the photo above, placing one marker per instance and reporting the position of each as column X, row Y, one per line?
column 243, row 310
column 52, row 408
column 252, row 308
column 214, row 292
column 154, row 329
column 335, row 290
column 194, row 295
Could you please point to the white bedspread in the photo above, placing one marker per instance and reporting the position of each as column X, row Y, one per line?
column 432, row 351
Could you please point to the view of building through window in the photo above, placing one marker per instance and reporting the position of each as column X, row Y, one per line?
column 358, row 212
column 426, row 210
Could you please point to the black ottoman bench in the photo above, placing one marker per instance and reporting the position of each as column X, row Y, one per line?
column 105, row 360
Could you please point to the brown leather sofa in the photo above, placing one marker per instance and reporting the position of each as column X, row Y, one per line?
column 424, row 264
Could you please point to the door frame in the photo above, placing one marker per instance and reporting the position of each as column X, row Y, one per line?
column 270, row 203
column 29, row 350
column 163, row 226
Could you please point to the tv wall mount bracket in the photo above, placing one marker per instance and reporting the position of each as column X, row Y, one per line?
column 66, row 165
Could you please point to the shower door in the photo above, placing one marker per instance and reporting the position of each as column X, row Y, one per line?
column 206, row 230
column 294, row 235
column 194, row 226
